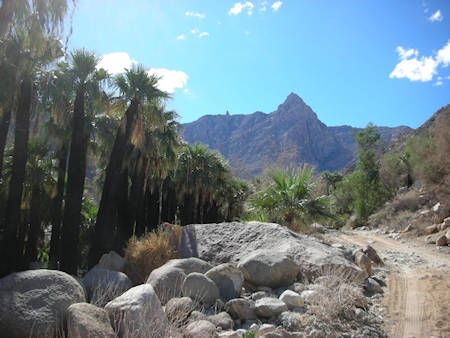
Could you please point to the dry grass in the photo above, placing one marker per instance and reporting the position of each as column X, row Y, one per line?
column 150, row 251
column 339, row 291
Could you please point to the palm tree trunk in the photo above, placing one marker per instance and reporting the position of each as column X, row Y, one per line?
column 6, row 13
column 10, row 257
column 107, row 213
column 31, row 250
column 160, row 202
column 56, row 212
column 4, row 127
column 75, row 186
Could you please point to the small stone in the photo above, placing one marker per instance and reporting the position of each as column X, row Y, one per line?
column 199, row 287
column 241, row 308
column 201, row 328
column 441, row 241
column 291, row 299
column 268, row 307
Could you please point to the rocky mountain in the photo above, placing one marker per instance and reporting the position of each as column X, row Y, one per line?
column 289, row 136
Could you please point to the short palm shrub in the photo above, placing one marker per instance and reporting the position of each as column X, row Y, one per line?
column 288, row 198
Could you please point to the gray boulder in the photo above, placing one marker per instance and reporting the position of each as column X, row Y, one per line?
column 372, row 286
column 291, row 299
column 222, row 320
column 233, row 242
column 228, row 279
column 265, row 268
column 241, row 308
column 168, row 279
column 33, row 303
column 87, row 320
column 441, row 241
column 104, row 285
column 269, row 307
column 111, row 261
column 363, row 261
column 200, row 329
column 179, row 309
column 200, row 288
column 138, row 313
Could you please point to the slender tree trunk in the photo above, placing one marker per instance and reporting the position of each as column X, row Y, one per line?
column 75, row 186
column 31, row 250
column 6, row 13
column 125, row 219
column 107, row 213
column 10, row 257
column 137, row 193
column 56, row 212
column 160, row 202
column 4, row 127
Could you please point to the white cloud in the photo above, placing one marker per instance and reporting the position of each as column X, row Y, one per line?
column 276, row 5
column 439, row 81
column 443, row 55
column 436, row 16
column 405, row 54
column 186, row 90
column 194, row 31
column 203, row 34
column 195, row 14
column 422, row 69
column 238, row 7
column 169, row 79
column 181, row 37
column 116, row 63
column 415, row 69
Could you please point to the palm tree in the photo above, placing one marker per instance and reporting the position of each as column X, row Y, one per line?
column 137, row 89
column 288, row 196
column 87, row 81
column 49, row 14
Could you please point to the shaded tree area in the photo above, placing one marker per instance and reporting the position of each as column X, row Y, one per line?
column 88, row 160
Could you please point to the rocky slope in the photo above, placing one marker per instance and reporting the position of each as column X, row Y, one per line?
column 291, row 135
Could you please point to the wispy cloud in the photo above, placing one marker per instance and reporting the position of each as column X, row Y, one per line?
column 181, row 37
column 263, row 7
column 240, row 6
column 116, row 63
column 276, row 5
column 203, row 34
column 194, row 31
column 436, row 16
column 422, row 69
column 195, row 14
column 439, row 81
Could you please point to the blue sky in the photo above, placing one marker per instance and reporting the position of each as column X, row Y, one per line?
column 352, row 61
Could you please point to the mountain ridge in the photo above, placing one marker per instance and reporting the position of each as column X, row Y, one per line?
column 289, row 136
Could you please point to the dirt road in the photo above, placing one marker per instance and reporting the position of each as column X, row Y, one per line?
column 417, row 299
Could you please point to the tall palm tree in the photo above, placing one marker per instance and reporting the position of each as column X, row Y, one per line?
column 137, row 89
column 87, row 81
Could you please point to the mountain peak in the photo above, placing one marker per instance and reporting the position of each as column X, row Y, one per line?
column 293, row 98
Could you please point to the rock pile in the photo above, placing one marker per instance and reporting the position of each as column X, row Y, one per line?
column 238, row 277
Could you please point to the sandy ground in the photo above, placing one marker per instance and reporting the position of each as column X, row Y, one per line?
column 416, row 302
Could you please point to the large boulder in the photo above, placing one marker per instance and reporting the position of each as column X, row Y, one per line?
column 200, row 288
column 372, row 254
column 268, row 307
column 33, row 303
column 111, row 261
column 168, row 279
column 441, row 241
column 104, row 285
column 138, row 313
column 232, row 242
column 87, row 320
column 200, row 329
column 241, row 308
column 266, row 268
column 228, row 279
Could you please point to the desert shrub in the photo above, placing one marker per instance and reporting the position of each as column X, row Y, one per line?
column 339, row 291
column 144, row 254
column 395, row 171
column 429, row 152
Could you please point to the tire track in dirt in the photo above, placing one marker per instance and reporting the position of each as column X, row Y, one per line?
column 417, row 299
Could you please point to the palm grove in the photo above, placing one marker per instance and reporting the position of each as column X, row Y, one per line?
column 92, row 157
column 95, row 159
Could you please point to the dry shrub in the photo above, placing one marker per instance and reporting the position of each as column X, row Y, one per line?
column 339, row 291
column 101, row 295
column 154, row 249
